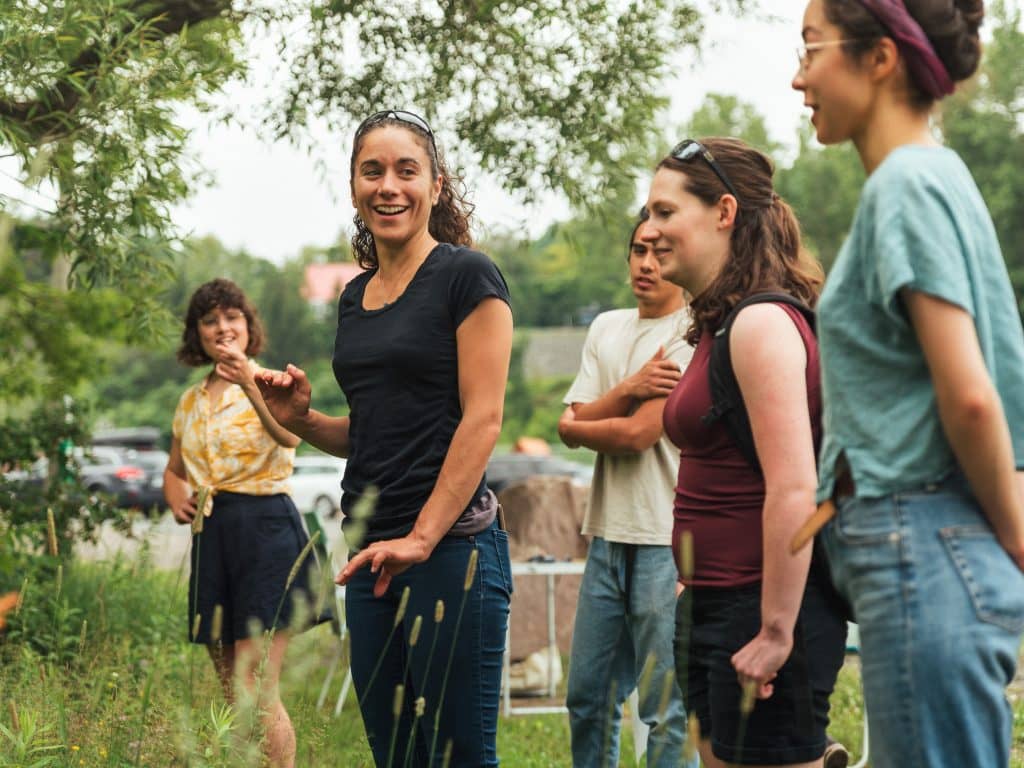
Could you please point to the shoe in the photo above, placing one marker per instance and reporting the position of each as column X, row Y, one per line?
column 836, row 755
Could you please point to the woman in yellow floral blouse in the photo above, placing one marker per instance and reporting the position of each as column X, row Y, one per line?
column 248, row 534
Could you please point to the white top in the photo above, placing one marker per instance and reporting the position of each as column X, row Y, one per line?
column 631, row 495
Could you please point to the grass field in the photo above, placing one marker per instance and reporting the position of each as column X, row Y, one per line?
column 106, row 680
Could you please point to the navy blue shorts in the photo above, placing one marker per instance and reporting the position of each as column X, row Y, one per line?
column 241, row 562
column 712, row 624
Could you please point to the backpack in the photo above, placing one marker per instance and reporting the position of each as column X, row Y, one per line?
column 727, row 405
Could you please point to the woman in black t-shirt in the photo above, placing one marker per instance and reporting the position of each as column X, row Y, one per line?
column 422, row 353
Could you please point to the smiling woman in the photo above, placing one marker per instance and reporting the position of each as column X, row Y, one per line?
column 227, row 474
column 422, row 353
column 922, row 359
column 753, row 616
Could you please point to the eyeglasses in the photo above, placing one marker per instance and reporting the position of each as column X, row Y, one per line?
column 401, row 115
column 688, row 149
column 804, row 51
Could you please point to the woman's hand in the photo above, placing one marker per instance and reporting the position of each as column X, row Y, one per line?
column 388, row 559
column 758, row 662
column 287, row 394
column 180, row 498
column 177, row 491
column 232, row 365
column 184, row 509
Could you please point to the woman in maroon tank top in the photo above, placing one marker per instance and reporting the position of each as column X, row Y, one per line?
column 750, row 616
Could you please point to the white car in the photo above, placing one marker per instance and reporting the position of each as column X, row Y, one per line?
column 316, row 485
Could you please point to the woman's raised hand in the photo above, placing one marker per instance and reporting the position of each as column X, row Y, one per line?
column 232, row 364
column 287, row 394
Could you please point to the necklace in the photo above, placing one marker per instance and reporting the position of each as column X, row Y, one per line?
column 399, row 283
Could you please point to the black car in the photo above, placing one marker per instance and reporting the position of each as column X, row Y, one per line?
column 507, row 468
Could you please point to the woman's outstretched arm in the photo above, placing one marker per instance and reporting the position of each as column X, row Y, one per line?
column 287, row 395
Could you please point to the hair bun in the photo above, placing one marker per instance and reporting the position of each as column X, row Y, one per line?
column 973, row 13
column 953, row 30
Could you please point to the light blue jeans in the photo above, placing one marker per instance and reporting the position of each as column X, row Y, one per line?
column 625, row 614
column 940, row 607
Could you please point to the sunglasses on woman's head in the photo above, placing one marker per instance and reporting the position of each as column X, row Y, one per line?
column 688, row 149
column 402, row 116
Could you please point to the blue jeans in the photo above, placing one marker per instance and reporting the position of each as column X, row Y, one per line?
column 470, row 649
column 625, row 615
column 940, row 607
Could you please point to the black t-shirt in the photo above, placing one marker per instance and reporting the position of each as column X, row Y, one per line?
column 398, row 367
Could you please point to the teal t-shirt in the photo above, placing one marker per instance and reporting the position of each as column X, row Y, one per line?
column 921, row 224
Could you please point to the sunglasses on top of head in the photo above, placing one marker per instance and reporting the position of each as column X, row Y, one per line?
column 410, row 118
column 688, row 149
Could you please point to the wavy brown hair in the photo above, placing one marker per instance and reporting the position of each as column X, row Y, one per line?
column 450, row 216
column 765, row 252
column 224, row 294
column 951, row 27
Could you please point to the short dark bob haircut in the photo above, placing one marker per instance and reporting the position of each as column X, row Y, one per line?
column 224, row 294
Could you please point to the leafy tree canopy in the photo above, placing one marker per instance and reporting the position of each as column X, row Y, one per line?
column 88, row 92
column 542, row 93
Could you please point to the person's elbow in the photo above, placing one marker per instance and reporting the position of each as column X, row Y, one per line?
column 970, row 408
column 484, row 422
column 565, row 434
column 794, row 495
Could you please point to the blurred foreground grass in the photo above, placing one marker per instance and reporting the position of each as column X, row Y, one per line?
column 131, row 692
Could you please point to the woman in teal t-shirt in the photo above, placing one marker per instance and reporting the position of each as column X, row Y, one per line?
column 922, row 368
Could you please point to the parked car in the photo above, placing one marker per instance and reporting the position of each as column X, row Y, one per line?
column 108, row 470
column 316, row 485
column 134, row 478
column 152, row 462
column 507, row 468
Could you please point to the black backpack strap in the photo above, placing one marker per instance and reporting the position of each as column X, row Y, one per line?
column 726, row 398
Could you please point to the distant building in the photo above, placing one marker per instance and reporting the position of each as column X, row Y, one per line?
column 323, row 283
column 553, row 351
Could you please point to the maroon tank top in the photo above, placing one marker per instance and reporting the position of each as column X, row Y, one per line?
column 719, row 496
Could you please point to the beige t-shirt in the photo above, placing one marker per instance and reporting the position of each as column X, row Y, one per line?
column 631, row 495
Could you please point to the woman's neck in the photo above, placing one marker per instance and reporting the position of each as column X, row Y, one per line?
column 392, row 261
column 896, row 125
column 213, row 381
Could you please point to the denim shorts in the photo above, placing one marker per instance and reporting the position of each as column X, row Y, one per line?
column 940, row 607
column 712, row 624
column 241, row 562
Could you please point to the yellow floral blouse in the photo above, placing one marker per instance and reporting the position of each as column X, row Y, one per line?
column 227, row 447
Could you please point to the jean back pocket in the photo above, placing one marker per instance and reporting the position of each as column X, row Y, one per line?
column 992, row 579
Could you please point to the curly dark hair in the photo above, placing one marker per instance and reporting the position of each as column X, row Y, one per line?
column 951, row 27
column 765, row 252
column 450, row 217
column 224, row 294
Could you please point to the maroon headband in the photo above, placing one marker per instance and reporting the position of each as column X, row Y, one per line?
column 924, row 64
